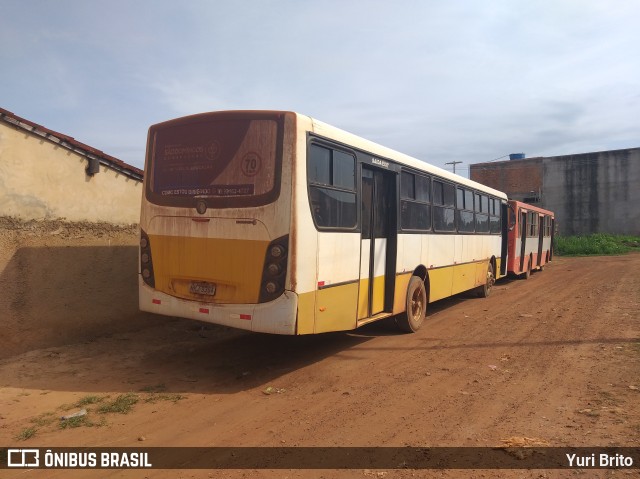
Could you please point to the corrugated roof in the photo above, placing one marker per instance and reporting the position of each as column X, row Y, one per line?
column 72, row 144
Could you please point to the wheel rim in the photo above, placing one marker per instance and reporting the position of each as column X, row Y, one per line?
column 490, row 278
column 416, row 304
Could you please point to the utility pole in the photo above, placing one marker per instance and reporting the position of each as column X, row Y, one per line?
column 454, row 163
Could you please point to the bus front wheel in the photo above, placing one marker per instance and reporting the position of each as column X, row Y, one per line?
column 413, row 317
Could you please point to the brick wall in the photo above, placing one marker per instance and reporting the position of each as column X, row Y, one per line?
column 517, row 178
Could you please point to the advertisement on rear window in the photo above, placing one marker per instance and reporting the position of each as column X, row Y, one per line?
column 215, row 159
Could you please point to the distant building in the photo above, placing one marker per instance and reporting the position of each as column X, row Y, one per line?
column 589, row 192
column 48, row 175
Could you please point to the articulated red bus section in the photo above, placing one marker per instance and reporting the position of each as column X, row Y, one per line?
column 529, row 239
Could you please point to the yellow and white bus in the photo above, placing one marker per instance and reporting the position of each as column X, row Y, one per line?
column 275, row 222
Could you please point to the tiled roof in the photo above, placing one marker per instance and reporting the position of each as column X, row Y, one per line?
column 72, row 144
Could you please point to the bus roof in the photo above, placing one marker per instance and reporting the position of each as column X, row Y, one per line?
column 527, row 206
column 355, row 141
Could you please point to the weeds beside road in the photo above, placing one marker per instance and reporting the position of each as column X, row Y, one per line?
column 596, row 244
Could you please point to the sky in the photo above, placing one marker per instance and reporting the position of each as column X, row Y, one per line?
column 442, row 81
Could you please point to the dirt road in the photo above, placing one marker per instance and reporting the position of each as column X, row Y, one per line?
column 554, row 359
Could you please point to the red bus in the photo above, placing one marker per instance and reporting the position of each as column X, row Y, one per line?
column 529, row 239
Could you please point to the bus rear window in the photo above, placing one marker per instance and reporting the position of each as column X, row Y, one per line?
column 229, row 162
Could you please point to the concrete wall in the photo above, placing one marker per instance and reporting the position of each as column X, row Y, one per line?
column 42, row 180
column 65, row 282
column 594, row 192
column 68, row 241
column 590, row 192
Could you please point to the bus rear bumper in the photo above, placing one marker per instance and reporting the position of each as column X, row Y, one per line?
column 276, row 317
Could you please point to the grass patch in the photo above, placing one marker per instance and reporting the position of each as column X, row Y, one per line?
column 26, row 433
column 122, row 404
column 81, row 421
column 154, row 398
column 89, row 400
column 596, row 244
column 82, row 402
column 75, row 422
column 44, row 419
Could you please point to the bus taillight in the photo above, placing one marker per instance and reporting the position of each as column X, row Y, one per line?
column 277, row 251
column 274, row 271
column 146, row 264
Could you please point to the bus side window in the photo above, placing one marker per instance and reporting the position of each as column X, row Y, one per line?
column 415, row 210
column 444, row 196
column 319, row 165
column 464, row 211
column 494, row 219
column 511, row 215
column 521, row 224
column 533, row 224
column 482, row 214
column 331, row 177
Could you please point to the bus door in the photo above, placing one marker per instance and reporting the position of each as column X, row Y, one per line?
column 541, row 220
column 378, row 242
column 507, row 224
column 523, row 237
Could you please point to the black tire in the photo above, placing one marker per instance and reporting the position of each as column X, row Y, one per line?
column 527, row 273
column 411, row 320
column 485, row 290
column 546, row 260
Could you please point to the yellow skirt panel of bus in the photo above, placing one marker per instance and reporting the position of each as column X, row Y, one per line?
column 306, row 312
column 336, row 308
column 440, row 282
column 233, row 266
column 468, row 276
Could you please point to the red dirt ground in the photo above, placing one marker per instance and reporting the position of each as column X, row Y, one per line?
column 554, row 359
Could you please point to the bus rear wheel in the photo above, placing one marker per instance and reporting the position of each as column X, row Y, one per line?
column 485, row 290
column 413, row 317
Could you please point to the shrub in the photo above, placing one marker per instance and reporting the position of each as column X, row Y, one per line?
column 595, row 244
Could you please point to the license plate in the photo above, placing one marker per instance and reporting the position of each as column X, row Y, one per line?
column 208, row 289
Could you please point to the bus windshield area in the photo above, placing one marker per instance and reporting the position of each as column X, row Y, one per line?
column 230, row 162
